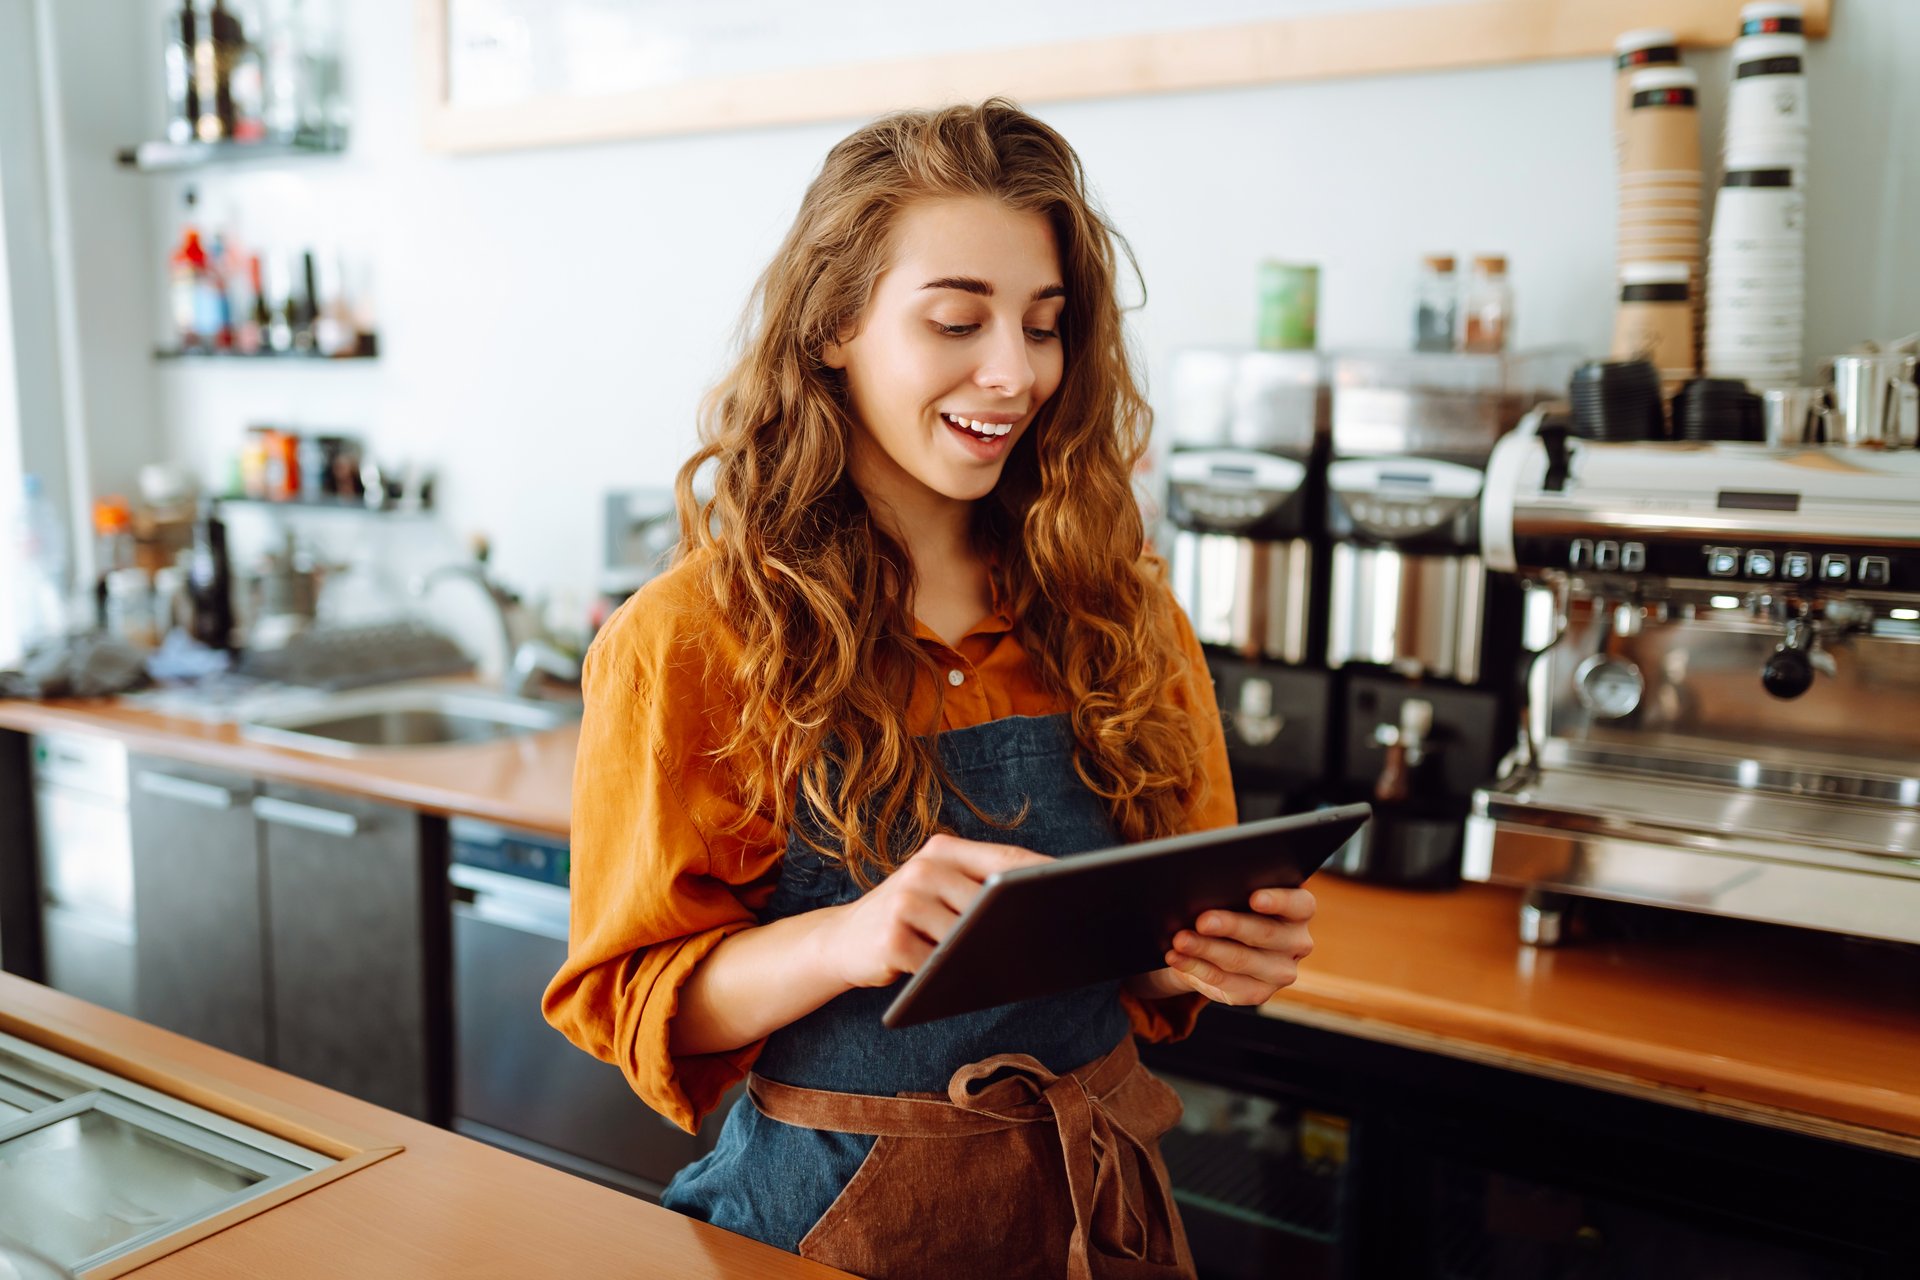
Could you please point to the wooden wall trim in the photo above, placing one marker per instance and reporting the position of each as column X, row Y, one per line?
column 1437, row 37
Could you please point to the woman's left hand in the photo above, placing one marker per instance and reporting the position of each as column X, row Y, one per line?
column 1238, row 957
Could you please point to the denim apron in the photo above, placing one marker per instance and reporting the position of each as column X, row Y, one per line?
column 775, row 1181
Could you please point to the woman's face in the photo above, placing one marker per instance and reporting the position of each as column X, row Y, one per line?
column 962, row 328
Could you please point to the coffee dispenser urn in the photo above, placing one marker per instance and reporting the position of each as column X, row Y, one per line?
column 1423, row 641
column 1246, row 498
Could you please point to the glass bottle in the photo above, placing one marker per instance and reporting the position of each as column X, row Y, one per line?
column 183, row 88
column 1436, row 305
column 1489, row 306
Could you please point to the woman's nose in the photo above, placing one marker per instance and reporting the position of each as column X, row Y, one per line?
column 1006, row 365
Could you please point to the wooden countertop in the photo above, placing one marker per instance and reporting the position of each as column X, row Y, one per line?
column 524, row 781
column 1789, row 1027
column 1785, row 1027
column 443, row 1206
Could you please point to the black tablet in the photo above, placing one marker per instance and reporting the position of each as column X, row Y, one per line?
column 1037, row 930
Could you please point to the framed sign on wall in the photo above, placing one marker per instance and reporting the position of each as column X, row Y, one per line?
column 498, row 74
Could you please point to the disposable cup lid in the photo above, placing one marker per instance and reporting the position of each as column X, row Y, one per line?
column 1645, row 38
column 1656, row 272
column 1770, row 44
column 1664, row 78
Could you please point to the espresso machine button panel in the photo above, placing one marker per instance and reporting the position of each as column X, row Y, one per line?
column 1859, row 567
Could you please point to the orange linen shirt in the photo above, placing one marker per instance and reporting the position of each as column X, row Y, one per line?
column 656, row 881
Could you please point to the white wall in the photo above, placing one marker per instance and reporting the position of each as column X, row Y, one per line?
column 550, row 318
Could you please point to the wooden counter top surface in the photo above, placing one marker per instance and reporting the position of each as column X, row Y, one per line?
column 1786, row 1027
column 1790, row 1027
column 524, row 781
column 444, row 1206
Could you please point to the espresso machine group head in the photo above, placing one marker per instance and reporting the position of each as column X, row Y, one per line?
column 1724, row 716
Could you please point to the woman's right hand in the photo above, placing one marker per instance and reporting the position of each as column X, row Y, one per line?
column 892, row 929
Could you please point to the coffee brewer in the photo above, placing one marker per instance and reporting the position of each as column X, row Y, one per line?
column 1725, row 715
column 1245, row 498
column 1423, row 642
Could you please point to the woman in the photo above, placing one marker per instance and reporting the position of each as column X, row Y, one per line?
column 913, row 638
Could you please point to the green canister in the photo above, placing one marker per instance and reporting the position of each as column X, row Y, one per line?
column 1289, row 306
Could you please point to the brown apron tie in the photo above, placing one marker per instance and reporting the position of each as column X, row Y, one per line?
column 1120, row 1203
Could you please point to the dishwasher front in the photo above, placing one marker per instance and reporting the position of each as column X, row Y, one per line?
column 518, row 1083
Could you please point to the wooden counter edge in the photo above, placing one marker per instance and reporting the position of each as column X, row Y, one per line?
column 1864, row 1117
column 209, row 1078
column 106, row 717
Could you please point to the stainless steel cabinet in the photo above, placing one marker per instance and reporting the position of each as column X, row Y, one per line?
column 84, row 867
column 351, row 926
column 196, row 898
column 299, row 928
column 518, row 1083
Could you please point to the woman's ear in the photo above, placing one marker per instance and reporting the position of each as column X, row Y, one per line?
column 834, row 356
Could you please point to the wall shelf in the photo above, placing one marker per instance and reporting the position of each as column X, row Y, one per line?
column 392, row 507
column 166, row 157
column 311, row 357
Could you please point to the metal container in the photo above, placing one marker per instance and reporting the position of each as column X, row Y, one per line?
column 1875, row 401
column 1436, row 405
column 1245, row 594
column 1228, row 397
column 1417, row 614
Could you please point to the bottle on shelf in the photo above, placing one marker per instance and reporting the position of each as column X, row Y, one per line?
column 279, row 304
column 1489, row 318
column 213, row 310
column 183, row 86
column 214, row 54
column 259, row 318
column 247, row 75
column 1436, row 305
column 186, row 279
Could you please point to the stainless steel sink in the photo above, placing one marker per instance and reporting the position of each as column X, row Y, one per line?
column 403, row 718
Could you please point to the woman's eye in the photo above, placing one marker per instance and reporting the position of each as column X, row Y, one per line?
column 1043, row 335
column 955, row 330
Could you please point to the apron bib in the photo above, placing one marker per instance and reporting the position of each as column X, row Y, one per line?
column 1015, row 1141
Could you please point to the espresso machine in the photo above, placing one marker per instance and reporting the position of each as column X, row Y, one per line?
column 1245, row 499
column 1423, row 641
column 1724, row 716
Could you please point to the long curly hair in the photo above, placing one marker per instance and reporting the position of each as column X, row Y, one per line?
column 818, row 590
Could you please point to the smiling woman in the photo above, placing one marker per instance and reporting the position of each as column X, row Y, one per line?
column 913, row 639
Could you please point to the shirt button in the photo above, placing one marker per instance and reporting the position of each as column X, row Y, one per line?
column 954, row 677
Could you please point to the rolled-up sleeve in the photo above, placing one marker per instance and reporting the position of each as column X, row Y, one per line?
column 657, row 883
column 1210, row 806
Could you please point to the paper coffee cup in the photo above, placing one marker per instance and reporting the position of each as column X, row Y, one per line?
column 1662, row 132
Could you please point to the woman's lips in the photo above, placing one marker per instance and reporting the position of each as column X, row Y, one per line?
column 985, row 448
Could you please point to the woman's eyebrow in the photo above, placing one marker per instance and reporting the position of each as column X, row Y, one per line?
column 971, row 284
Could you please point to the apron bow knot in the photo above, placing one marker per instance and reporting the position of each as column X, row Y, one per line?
column 1120, row 1204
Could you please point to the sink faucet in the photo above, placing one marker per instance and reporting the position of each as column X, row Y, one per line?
column 530, row 653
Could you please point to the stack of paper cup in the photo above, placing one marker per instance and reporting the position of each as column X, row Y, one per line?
column 1636, row 51
column 1756, row 295
column 1660, row 183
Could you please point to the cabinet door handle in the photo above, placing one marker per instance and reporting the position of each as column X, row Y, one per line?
column 328, row 822
column 204, row 794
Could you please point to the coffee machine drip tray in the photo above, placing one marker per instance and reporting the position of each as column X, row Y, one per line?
column 1723, row 848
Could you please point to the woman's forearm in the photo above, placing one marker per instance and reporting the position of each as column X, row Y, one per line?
column 753, row 983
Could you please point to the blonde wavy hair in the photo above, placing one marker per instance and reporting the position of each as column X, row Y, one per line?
column 818, row 590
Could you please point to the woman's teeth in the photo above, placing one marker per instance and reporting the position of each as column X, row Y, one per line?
column 979, row 428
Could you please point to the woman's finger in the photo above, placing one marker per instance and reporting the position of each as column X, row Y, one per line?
column 1236, row 957
column 1293, row 904
column 1267, row 933
column 1221, row 986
